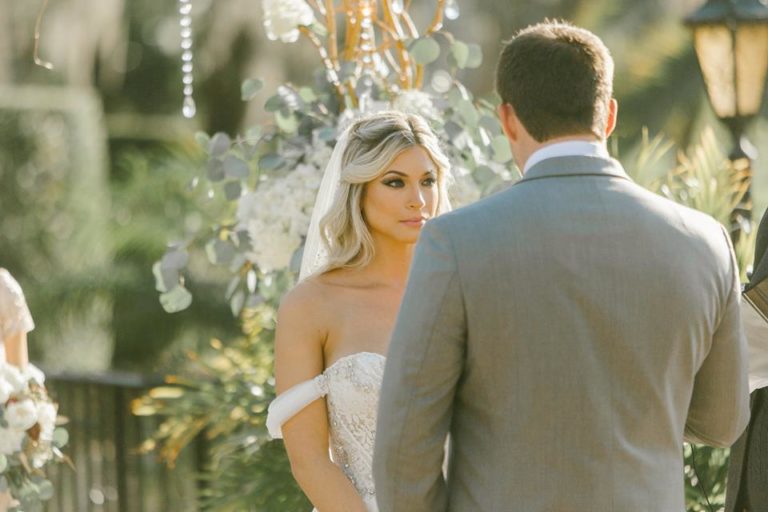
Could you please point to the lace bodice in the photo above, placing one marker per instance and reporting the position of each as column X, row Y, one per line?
column 351, row 386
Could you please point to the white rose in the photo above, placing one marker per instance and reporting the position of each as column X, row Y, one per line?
column 13, row 377
column 282, row 18
column 10, row 441
column 21, row 415
column 5, row 391
column 32, row 372
column 46, row 417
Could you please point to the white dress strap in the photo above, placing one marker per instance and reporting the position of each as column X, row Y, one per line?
column 291, row 401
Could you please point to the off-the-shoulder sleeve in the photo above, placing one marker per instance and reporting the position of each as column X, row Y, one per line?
column 14, row 313
column 285, row 406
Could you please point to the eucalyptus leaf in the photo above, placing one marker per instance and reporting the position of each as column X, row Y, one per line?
column 203, row 140
column 307, row 94
column 165, row 278
column 219, row 252
column 176, row 300
column 3, row 463
column 274, row 103
column 60, row 437
column 287, row 122
column 175, row 259
column 215, row 170
column 3, row 484
column 491, row 124
column 475, row 58
column 326, row 133
column 453, row 129
column 235, row 167
column 271, row 162
column 232, row 286
column 460, row 52
column 233, row 190
column 253, row 133
column 250, row 88
column 468, row 113
column 219, row 144
column 425, row 50
column 236, row 302
column 501, row 150
column 243, row 240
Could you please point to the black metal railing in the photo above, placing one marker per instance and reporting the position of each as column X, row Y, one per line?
column 110, row 474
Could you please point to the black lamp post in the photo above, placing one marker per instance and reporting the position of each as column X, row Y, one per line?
column 731, row 41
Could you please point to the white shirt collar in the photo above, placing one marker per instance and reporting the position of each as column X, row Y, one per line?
column 568, row 148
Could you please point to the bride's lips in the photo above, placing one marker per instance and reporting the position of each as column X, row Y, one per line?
column 415, row 222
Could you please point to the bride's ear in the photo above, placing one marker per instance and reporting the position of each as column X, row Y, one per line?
column 509, row 121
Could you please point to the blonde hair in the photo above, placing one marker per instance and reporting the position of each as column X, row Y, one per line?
column 374, row 142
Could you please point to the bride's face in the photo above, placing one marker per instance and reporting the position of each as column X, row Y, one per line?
column 398, row 203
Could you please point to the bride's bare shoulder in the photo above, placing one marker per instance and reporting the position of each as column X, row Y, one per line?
column 316, row 296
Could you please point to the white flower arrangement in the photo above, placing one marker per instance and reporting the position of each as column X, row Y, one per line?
column 413, row 101
column 29, row 438
column 282, row 18
column 276, row 215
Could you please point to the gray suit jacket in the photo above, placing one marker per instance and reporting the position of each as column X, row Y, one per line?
column 569, row 333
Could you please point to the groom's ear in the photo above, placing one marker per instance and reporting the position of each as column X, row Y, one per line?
column 509, row 121
column 613, row 116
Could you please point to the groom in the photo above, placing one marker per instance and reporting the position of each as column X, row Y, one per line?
column 570, row 332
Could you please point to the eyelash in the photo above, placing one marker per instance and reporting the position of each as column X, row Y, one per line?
column 398, row 183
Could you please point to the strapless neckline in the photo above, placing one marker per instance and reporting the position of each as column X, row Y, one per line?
column 352, row 356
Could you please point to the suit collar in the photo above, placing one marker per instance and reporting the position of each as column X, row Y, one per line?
column 578, row 165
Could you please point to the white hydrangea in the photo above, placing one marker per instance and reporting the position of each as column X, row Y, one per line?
column 21, row 415
column 276, row 216
column 11, row 440
column 282, row 18
column 416, row 102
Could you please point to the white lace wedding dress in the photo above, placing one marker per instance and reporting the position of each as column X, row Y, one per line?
column 351, row 387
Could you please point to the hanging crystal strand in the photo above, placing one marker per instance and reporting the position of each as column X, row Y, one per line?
column 397, row 6
column 366, row 64
column 188, row 108
column 452, row 9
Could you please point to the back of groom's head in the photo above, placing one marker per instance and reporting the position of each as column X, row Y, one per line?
column 559, row 80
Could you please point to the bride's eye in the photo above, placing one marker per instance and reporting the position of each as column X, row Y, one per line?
column 394, row 183
column 429, row 182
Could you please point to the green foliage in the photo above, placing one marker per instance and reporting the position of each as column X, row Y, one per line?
column 224, row 397
column 54, row 207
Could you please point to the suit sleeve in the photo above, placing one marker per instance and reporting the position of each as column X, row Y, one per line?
column 424, row 363
column 719, row 410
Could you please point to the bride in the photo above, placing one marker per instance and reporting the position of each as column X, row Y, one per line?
column 386, row 178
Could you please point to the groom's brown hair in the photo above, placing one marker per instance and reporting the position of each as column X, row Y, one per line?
column 558, row 78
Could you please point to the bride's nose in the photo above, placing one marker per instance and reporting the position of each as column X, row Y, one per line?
column 416, row 199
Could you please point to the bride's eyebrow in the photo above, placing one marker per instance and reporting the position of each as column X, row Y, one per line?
column 430, row 172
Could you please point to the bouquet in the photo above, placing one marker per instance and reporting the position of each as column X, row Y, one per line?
column 29, row 437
